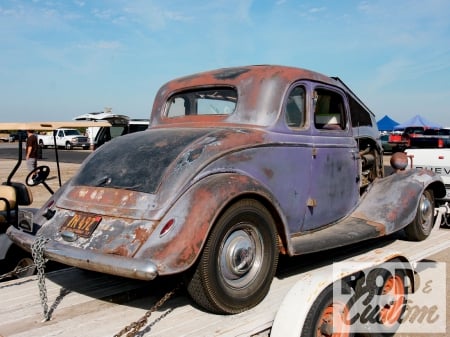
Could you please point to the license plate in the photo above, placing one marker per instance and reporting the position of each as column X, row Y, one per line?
column 82, row 224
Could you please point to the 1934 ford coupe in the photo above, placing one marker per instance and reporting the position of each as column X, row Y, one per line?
column 238, row 166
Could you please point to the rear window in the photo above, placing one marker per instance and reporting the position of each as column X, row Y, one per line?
column 211, row 101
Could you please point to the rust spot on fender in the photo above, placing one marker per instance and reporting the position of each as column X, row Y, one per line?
column 378, row 226
column 120, row 250
column 268, row 172
column 141, row 234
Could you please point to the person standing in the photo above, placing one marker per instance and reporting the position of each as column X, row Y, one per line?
column 31, row 150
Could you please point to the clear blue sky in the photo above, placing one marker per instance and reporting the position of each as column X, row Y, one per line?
column 60, row 59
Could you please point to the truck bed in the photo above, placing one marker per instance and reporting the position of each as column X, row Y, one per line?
column 87, row 304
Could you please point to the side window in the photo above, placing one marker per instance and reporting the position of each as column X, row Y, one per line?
column 295, row 108
column 329, row 111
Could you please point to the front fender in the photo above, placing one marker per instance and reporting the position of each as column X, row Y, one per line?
column 393, row 201
column 193, row 215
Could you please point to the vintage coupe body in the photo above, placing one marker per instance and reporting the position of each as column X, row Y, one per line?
column 238, row 165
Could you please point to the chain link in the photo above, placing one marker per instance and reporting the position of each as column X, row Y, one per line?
column 133, row 328
column 37, row 251
column 16, row 271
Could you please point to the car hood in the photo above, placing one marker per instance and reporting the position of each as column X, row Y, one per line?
column 145, row 171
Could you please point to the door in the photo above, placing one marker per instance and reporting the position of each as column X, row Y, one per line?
column 334, row 184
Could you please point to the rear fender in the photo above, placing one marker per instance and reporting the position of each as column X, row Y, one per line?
column 193, row 215
column 392, row 201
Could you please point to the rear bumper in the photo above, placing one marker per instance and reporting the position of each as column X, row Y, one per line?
column 88, row 259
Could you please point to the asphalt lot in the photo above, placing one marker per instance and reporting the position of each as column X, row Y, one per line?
column 76, row 156
column 69, row 163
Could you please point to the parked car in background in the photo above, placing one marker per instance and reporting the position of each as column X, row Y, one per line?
column 120, row 125
column 238, row 166
column 419, row 137
column 20, row 134
column 387, row 146
column 436, row 160
column 66, row 138
column 431, row 138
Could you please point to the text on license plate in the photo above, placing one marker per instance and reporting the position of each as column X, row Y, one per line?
column 82, row 224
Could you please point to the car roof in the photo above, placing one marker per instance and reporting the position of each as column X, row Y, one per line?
column 252, row 83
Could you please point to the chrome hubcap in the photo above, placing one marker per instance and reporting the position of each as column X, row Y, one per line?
column 426, row 211
column 241, row 256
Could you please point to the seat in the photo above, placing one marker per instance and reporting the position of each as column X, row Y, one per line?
column 24, row 196
column 7, row 202
column 7, row 197
column 328, row 121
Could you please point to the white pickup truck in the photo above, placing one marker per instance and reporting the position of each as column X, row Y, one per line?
column 67, row 138
column 436, row 160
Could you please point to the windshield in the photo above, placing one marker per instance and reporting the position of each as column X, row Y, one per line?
column 73, row 133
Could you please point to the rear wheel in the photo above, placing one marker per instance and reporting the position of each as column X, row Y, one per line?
column 420, row 228
column 238, row 261
column 385, row 291
column 329, row 316
column 41, row 144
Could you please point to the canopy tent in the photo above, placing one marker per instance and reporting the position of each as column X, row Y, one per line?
column 386, row 124
column 418, row 120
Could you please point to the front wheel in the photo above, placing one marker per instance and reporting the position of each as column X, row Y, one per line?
column 420, row 228
column 385, row 292
column 68, row 146
column 238, row 261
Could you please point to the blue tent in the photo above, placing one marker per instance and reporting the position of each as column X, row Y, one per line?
column 386, row 124
column 418, row 121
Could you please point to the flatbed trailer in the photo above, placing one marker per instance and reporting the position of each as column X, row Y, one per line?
column 83, row 303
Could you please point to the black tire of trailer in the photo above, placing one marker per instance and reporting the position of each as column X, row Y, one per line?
column 326, row 309
column 223, row 282
column 420, row 228
column 390, row 315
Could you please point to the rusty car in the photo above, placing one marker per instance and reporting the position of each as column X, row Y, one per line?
column 238, row 166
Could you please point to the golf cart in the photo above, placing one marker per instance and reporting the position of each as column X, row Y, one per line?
column 16, row 196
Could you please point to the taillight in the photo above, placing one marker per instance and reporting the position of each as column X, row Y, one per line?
column 167, row 227
column 440, row 142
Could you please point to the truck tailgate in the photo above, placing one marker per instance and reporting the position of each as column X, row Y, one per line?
column 436, row 160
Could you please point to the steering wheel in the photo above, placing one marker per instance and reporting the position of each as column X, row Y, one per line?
column 37, row 176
